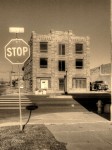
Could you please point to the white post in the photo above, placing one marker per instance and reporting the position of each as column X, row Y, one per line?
column 20, row 101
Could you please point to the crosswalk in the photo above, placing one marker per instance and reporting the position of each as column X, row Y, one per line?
column 13, row 102
column 44, row 103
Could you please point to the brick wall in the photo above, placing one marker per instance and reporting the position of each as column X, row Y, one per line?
column 54, row 38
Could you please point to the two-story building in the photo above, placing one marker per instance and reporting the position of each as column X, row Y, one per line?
column 58, row 58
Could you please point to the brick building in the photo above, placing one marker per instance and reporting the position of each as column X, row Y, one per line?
column 58, row 58
column 102, row 72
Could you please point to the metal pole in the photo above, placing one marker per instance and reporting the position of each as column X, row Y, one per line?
column 11, row 76
column 20, row 101
column 10, row 79
column 20, row 112
column 66, row 83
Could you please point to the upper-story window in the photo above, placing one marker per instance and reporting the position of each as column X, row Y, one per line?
column 43, row 46
column 79, row 63
column 61, row 49
column 43, row 62
column 61, row 65
column 79, row 48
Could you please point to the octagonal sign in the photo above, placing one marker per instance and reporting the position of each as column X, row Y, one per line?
column 17, row 51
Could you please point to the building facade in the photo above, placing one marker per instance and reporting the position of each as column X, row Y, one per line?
column 101, row 73
column 58, row 59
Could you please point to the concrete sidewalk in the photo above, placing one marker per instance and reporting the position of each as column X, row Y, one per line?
column 46, row 117
column 80, row 130
column 84, row 136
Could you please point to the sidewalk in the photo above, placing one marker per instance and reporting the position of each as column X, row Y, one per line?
column 80, row 130
column 84, row 136
column 49, row 115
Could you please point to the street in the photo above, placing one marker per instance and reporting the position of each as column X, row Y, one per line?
column 67, row 119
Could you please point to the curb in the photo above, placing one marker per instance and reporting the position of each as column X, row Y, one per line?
column 17, row 123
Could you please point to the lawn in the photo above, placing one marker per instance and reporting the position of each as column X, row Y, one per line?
column 34, row 137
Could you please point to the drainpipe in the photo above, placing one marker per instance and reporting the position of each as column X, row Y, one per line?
column 65, row 80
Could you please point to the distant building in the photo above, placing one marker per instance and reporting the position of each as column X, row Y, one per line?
column 56, row 57
column 103, row 73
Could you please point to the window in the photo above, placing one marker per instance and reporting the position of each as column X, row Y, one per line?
column 61, row 84
column 43, row 46
column 79, row 63
column 61, row 49
column 79, row 83
column 61, row 65
column 43, row 62
column 79, row 48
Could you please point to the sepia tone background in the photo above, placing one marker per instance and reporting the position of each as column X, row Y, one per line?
column 84, row 17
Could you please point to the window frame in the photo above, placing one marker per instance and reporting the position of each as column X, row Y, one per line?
column 80, row 61
column 44, row 49
column 77, row 49
column 61, row 49
column 60, row 65
column 79, row 83
column 44, row 66
column 61, row 85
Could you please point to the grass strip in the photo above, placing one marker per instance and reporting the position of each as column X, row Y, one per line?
column 34, row 137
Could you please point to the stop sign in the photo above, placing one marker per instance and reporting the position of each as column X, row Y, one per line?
column 17, row 51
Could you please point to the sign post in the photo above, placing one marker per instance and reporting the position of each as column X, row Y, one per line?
column 20, row 111
column 17, row 51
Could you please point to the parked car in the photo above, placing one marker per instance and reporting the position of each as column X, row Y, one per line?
column 98, row 85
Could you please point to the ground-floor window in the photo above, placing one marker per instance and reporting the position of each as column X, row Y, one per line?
column 61, row 84
column 79, row 83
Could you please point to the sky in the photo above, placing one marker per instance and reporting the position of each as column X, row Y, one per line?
column 84, row 17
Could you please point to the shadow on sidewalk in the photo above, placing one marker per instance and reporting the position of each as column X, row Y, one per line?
column 90, row 105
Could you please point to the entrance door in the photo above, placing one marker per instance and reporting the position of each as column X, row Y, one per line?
column 44, row 84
